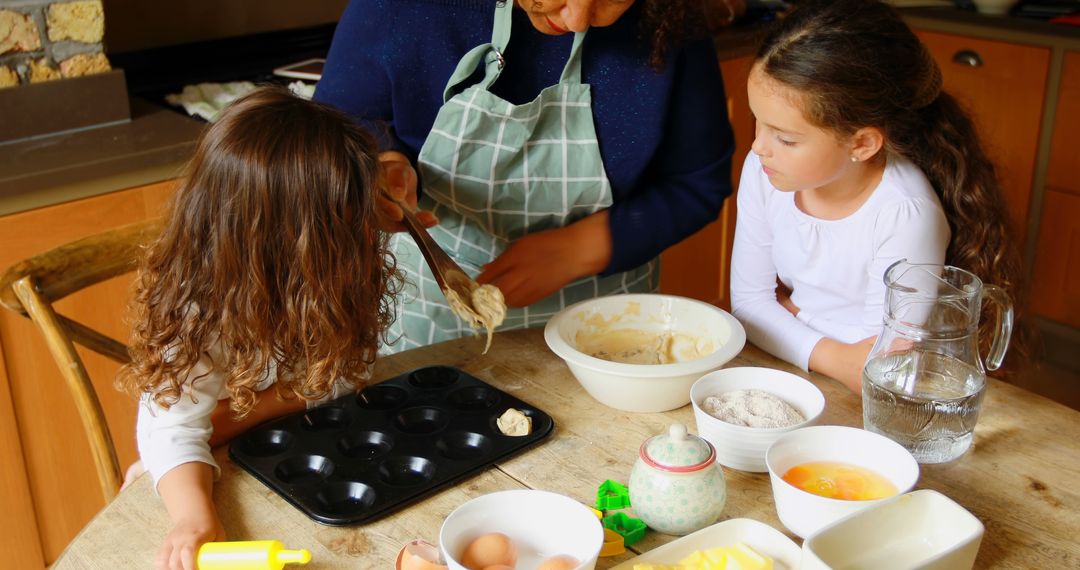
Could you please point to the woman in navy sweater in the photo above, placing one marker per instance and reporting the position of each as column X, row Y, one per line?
column 558, row 163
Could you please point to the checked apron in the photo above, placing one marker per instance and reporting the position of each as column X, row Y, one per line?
column 494, row 172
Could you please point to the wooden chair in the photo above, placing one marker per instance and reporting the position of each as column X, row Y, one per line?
column 31, row 286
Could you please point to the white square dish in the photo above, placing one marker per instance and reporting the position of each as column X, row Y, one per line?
column 763, row 538
column 922, row 530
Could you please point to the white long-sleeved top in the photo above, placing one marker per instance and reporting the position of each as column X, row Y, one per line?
column 181, row 434
column 834, row 268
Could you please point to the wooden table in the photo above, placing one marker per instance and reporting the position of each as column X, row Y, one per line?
column 1020, row 479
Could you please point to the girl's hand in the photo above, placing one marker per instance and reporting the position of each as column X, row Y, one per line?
column 399, row 181
column 540, row 264
column 783, row 296
column 183, row 542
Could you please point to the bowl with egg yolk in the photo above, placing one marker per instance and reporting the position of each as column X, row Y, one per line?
column 821, row 474
column 642, row 352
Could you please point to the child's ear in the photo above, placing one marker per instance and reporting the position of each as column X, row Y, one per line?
column 866, row 142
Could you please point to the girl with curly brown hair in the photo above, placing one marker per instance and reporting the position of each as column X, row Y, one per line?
column 860, row 159
column 562, row 144
column 271, row 271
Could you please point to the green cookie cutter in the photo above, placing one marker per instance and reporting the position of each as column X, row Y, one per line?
column 611, row 496
column 631, row 529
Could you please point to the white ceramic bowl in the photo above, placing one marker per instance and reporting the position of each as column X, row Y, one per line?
column 922, row 529
column 540, row 523
column 741, row 447
column 804, row 513
column 644, row 387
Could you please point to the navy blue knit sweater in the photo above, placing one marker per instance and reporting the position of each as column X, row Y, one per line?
column 664, row 136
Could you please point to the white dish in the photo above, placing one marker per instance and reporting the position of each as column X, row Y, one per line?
column 644, row 387
column 763, row 538
column 741, row 447
column 804, row 513
column 922, row 529
column 541, row 524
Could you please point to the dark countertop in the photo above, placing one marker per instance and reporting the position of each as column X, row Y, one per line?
column 155, row 144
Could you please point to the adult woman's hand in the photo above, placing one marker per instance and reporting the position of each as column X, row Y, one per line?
column 399, row 181
column 540, row 264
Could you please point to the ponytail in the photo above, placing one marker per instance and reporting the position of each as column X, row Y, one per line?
column 948, row 150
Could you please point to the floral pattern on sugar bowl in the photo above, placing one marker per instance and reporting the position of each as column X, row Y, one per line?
column 676, row 487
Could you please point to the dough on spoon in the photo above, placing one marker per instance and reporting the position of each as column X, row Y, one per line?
column 487, row 307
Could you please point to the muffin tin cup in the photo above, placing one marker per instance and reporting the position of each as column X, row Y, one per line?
column 363, row 456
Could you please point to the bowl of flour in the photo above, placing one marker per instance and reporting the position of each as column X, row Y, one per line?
column 742, row 411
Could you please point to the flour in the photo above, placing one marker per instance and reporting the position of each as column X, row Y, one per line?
column 752, row 408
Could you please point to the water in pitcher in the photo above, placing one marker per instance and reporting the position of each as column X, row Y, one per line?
column 925, row 401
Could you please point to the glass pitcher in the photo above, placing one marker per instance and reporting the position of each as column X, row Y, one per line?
column 924, row 380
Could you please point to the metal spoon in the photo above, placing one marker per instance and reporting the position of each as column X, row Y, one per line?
column 448, row 273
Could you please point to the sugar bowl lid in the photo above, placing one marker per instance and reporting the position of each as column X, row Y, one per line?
column 677, row 451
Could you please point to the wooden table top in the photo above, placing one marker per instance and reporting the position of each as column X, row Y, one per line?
column 1020, row 478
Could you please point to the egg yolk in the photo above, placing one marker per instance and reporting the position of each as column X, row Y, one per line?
column 842, row 481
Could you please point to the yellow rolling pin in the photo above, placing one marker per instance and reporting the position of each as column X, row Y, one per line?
column 249, row 555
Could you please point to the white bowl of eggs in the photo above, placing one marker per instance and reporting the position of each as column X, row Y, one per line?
column 642, row 352
column 524, row 529
column 821, row 474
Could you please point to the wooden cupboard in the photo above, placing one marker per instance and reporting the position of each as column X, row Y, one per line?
column 1003, row 84
column 1056, row 275
column 700, row 266
column 48, row 485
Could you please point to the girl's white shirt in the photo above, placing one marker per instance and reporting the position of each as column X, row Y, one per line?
column 181, row 434
column 834, row 268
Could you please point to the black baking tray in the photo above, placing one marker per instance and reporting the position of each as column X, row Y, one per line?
column 363, row 456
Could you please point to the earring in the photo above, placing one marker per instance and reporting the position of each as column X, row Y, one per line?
column 854, row 158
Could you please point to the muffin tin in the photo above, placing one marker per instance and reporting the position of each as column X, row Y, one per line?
column 366, row 455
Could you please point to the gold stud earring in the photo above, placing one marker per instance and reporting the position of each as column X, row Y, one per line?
column 854, row 158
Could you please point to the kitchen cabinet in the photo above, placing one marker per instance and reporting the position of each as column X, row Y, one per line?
column 700, row 266
column 1003, row 85
column 46, row 471
column 1056, row 275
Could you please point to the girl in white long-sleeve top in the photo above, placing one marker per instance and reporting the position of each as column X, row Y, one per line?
column 271, row 272
column 859, row 160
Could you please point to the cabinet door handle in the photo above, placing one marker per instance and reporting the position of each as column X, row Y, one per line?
column 968, row 58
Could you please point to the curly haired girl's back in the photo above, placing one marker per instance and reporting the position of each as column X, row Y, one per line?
column 271, row 250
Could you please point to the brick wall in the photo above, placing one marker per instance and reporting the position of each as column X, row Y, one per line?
column 42, row 40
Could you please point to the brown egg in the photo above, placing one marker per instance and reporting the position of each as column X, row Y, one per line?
column 492, row 549
column 419, row 555
column 559, row 562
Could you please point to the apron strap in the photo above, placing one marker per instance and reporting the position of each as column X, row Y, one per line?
column 491, row 55
column 571, row 73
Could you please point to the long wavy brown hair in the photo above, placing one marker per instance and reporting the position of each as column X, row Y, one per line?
column 665, row 24
column 272, row 252
column 856, row 64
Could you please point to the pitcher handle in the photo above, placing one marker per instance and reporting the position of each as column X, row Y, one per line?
column 1003, row 325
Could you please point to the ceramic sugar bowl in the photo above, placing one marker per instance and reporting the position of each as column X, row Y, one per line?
column 676, row 487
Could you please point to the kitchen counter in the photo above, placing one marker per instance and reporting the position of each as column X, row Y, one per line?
column 48, row 170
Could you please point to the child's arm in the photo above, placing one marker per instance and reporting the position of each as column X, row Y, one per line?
column 841, row 360
column 186, row 492
column 769, row 325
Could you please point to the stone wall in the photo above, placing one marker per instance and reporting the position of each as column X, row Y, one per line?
column 42, row 40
